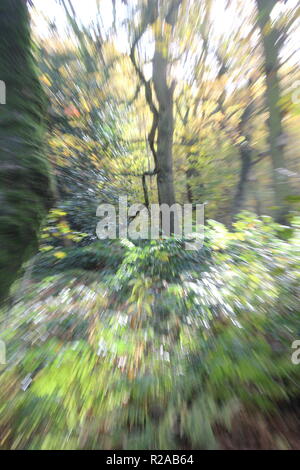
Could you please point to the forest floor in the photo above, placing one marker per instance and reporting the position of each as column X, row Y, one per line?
column 253, row 431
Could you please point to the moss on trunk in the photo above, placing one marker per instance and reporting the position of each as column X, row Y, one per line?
column 25, row 188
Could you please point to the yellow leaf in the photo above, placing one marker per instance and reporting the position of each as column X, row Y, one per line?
column 60, row 254
column 45, row 79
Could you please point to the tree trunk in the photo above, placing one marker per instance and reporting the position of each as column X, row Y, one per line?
column 165, row 129
column 270, row 38
column 25, row 193
column 246, row 155
column 165, row 124
column 246, row 162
